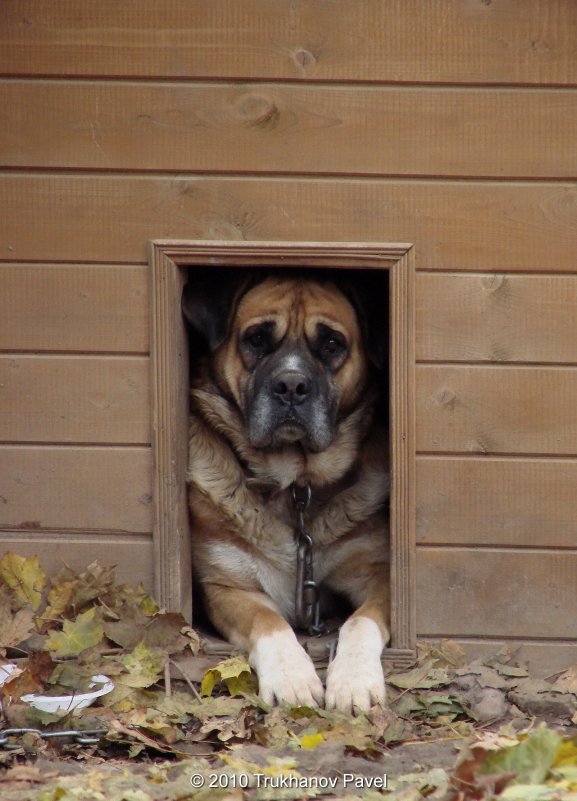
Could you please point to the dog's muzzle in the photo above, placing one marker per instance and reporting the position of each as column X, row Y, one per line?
column 290, row 403
column 291, row 388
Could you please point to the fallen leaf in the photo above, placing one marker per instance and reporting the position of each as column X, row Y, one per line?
column 92, row 583
column 143, row 667
column 311, row 741
column 15, row 628
column 76, row 636
column 24, row 577
column 513, row 671
column 423, row 677
column 234, row 672
column 527, row 762
column 60, row 598
column 216, row 706
column 567, row 682
column 529, row 792
column 134, row 626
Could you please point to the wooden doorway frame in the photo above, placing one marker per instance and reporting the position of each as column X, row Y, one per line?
column 169, row 261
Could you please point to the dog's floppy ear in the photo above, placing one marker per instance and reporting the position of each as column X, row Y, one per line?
column 368, row 294
column 209, row 301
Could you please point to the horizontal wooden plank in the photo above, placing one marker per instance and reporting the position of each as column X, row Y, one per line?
column 492, row 501
column 401, row 40
column 496, row 317
column 484, row 593
column 455, row 225
column 497, row 409
column 542, row 658
column 76, row 488
column 132, row 555
column 275, row 128
column 73, row 308
column 82, row 399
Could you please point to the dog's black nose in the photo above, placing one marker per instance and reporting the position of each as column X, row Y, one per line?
column 291, row 387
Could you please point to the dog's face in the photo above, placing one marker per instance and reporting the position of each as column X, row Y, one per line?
column 291, row 355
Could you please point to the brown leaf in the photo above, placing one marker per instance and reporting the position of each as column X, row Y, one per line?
column 567, row 682
column 93, row 583
column 26, row 773
column 134, row 626
column 15, row 628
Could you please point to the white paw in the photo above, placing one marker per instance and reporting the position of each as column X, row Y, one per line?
column 355, row 680
column 285, row 672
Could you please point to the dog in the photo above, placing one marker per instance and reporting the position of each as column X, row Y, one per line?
column 284, row 397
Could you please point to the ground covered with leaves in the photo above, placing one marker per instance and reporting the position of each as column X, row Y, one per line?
column 182, row 722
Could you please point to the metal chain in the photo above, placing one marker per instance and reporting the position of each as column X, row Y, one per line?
column 307, row 599
column 78, row 736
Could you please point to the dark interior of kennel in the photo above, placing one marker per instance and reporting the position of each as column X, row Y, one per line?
column 367, row 290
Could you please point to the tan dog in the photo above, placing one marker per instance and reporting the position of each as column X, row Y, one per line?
column 285, row 397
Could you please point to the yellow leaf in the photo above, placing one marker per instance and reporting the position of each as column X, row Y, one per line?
column 236, row 674
column 59, row 598
column 76, row 635
column 25, row 578
column 144, row 667
column 566, row 756
column 209, row 681
column 311, row 741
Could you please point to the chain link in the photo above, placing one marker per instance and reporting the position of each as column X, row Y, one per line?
column 78, row 736
column 307, row 596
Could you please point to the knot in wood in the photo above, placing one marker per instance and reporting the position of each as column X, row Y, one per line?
column 446, row 397
column 304, row 58
column 258, row 111
column 493, row 283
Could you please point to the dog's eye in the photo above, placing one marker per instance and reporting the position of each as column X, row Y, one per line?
column 332, row 345
column 257, row 339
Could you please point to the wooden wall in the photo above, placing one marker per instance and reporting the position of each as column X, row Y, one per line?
column 451, row 124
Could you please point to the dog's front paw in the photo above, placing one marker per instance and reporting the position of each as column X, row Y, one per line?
column 355, row 680
column 285, row 672
column 354, row 684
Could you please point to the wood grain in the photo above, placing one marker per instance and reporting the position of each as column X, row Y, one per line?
column 285, row 128
column 169, row 356
column 132, row 555
column 493, row 501
column 401, row 40
column 454, row 225
column 497, row 317
column 75, row 399
column 82, row 308
column 75, row 488
column 402, row 451
column 497, row 409
column 500, row 593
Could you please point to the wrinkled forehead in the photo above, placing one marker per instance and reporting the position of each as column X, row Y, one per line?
column 297, row 306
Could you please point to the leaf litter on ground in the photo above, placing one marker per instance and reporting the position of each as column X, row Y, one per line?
column 62, row 630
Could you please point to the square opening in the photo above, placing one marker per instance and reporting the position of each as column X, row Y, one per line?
column 172, row 264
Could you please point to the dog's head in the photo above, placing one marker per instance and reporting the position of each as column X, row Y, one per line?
column 290, row 350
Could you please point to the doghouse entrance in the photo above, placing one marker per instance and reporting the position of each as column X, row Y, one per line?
column 170, row 263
